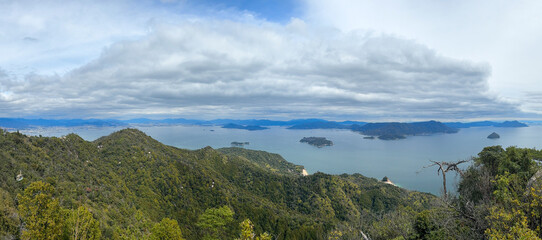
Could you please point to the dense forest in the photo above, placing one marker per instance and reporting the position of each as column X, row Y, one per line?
column 130, row 186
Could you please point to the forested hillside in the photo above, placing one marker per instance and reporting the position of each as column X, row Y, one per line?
column 129, row 186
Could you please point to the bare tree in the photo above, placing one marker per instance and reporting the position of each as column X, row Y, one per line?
column 444, row 167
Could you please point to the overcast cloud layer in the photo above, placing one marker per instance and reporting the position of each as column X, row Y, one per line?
column 208, row 68
column 504, row 34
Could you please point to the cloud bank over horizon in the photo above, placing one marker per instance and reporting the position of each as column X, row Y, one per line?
column 165, row 59
column 210, row 68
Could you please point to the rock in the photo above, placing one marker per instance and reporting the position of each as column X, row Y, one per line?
column 494, row 135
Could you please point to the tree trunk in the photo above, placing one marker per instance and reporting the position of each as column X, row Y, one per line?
column 444, row 184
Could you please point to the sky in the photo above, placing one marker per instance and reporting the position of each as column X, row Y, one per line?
column 385, row 60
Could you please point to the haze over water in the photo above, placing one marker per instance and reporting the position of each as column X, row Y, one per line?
column 401, row 160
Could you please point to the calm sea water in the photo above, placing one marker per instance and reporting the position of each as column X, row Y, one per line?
column 402, row 161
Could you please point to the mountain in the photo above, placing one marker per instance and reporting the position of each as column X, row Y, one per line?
column 485, row 124
column 130, row 181
column 512, row 124
column 396, row 130
column 20, row 123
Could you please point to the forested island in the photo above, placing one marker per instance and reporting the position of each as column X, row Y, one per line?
column 317, row 141
column 245, row 127
column 130, row 186
column 396, row 130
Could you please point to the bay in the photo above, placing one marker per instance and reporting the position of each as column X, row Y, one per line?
column 402, row 161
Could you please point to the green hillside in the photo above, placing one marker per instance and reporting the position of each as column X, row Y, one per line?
column 130, row 182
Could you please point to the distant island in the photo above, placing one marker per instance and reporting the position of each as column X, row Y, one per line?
column 245, row 127
column 369, row 137
column 494, row 135
column 239, row 144
column 317, row 141
column 396, row 130
column 505, row 124
column 247, row 124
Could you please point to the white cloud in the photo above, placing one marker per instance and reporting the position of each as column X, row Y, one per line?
column 505, row 34
column 215, row 68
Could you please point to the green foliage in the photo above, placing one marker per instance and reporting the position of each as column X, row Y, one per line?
column 247, row 232
column 167, row 229
column 395, row 224
column 81, row 225
column 9, row 220
column 498, row 184
column 40, row 212
column 131, row 181
column 214, row 221
column 269, row 161
column 138, row 228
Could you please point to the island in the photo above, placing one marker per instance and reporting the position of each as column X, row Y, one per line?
column 369, row 137
column 396, row 130
column 245, row 127
column 494, row 135
column 505, row 124
column 511, row 124
column 317, row 141
column 239, row 144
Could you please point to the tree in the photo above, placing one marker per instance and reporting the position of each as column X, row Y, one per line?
column 247, row 232
column 9, row 221
column 444, row 167
column 138, row 228
column 167, row 229
column 214, row 220
column 40, row 212
column 81, row 225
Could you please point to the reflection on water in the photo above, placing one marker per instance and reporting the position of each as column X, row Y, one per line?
column 401, row 160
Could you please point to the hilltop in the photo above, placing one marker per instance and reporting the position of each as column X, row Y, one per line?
column 128, row 173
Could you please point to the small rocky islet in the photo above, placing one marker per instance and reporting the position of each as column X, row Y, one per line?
column 493, row 135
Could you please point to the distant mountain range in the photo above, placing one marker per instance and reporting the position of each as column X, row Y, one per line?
column 244, row 127
column 486, row 124
column 386, row 131
column 22, row 123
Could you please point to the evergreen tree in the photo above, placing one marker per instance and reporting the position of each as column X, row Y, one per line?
column 40, row 212
column 214, row 220
column 247, row 232
column 81, row 225
column 9, row 221
column 167, row 229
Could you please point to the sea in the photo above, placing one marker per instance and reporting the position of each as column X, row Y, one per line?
column 405, row 162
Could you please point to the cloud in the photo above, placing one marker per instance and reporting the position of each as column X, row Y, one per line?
column 215, row 68
column 505, row 34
